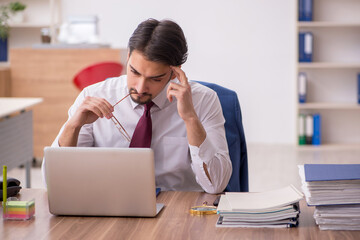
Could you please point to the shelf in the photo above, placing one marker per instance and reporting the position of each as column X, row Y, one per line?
column 330, row 106
column 327, row 24
column 328, row 65
column 329, row 146
column 331, row 78
column 4, row 65
column 29, row 25
column 38, row 14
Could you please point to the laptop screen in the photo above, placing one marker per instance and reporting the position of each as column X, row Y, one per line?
column 100, row 181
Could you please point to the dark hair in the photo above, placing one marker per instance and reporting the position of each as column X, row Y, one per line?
column 160, row 41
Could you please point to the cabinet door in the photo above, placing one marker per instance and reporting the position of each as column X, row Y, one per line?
column 48, row 73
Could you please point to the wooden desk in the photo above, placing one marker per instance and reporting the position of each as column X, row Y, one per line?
column 48, row 73
column 173, row 222
column 16, row 133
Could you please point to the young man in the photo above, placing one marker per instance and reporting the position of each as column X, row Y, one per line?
column 186, row 127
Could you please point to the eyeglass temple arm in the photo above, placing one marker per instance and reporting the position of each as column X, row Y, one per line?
column 121, row 128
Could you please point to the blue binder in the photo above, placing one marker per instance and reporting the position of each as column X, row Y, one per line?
column 358, row 88
column 331, row 172
column 316, row 140
column 305, row 46
column 3, row 49
column 158, row 190
column 302, row 82
column 305, row 10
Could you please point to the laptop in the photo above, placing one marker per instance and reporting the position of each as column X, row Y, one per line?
column 91, row 181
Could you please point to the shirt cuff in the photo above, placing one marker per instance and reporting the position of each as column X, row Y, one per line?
column 204, row 153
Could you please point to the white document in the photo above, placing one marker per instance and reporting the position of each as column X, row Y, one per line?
column 263, row 201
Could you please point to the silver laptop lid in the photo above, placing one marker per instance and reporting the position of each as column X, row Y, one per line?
column 100, row 181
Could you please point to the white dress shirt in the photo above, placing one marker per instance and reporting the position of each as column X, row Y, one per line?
column 178, row 165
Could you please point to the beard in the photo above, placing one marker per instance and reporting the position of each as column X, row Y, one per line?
column 143, row 99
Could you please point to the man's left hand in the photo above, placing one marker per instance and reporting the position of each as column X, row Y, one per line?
column 182, row 92
column 195, row 131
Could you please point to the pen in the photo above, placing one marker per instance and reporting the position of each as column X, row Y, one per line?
column 216, row 202
column 4, row 189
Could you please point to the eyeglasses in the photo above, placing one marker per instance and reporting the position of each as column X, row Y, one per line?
column 118, row 124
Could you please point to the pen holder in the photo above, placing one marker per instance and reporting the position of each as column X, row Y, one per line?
column 18, row 210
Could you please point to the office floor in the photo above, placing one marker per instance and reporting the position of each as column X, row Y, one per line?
column 270, row 166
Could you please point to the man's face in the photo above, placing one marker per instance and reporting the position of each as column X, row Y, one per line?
column 146, row 78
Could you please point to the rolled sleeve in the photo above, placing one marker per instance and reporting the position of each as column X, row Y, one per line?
column 214, row 150
column 204, row 153
column 218, row 166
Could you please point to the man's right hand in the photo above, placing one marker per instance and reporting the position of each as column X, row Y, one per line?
column 89, row 111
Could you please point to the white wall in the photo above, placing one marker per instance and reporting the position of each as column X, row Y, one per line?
column 246, row 45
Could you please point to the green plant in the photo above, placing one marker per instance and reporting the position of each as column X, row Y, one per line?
column 5, row 11
column 4, row 26
column 16, row 6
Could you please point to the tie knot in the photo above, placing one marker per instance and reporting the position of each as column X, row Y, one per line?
column 149, row 105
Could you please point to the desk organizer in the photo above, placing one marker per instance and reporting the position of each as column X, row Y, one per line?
column 19, row 210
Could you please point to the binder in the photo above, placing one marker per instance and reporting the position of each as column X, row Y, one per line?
column 302, row 80
column 3, row 49
column 305, row 46
column 302, row 139
column 358, row 88
column 305, row 10
column 309, row 129
column 331, row 172
column 316, row 140
column 157, row 190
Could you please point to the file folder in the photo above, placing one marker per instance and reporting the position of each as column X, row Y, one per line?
column 309, row 129
column 331, row 172
column 305, row 10
column 3, row 50
column 302, row 138
column 302, row 80
column 358, row 88
column 306, row 46
column 316, row 140
column 274, row 208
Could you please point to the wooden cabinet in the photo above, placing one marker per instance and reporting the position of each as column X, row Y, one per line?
column 48, row 73
column 5, row 84
column 332, row 75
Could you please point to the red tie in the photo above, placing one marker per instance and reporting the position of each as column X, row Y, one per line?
column 143, row 131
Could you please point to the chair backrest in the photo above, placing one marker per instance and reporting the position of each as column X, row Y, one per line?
column 96, row 73
column 239, row 181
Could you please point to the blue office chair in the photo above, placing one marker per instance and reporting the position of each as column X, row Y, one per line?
column 239, row 181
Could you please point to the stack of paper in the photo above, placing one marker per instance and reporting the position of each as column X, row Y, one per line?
column 277, row 208
column 335, row 191
column 338, row 217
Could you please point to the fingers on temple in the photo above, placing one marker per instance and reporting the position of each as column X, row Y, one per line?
column 180, row 74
